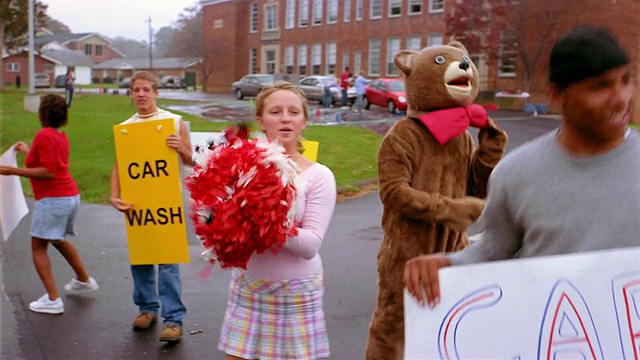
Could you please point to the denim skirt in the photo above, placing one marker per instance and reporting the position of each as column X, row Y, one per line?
column 54, row 217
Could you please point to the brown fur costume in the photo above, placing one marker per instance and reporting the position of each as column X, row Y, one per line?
column 430, row 192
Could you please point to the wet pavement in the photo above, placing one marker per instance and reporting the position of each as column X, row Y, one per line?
column 98, row 326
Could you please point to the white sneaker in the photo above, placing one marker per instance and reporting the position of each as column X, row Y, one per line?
column 45, row 305
column 77, row 287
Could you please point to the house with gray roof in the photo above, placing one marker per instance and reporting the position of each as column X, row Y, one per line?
column 117, row 69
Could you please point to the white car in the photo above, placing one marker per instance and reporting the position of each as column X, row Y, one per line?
column 41, row 80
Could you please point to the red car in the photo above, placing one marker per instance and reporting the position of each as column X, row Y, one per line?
column 387, row 92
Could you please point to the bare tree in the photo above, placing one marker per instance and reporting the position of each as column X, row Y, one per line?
column 524, row 29
column 207, row 63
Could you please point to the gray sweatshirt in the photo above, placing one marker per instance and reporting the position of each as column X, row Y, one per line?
column 546, row 201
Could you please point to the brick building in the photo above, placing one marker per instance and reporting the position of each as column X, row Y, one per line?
column 303, row 37
column 315, row 36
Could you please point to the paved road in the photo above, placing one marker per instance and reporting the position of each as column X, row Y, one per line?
column 98, row 326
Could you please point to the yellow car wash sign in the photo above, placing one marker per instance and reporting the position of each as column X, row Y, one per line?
column 150, row 180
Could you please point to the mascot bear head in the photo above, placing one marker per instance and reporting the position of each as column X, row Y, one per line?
column 437, row 77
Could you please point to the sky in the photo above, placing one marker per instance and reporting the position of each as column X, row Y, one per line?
column 112, row 18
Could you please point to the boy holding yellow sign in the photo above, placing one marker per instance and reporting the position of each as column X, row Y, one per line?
column 167, row 294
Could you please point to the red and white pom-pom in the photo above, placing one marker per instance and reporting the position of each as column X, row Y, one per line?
column 242, row 194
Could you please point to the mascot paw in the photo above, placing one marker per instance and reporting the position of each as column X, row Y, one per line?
column 464, row 212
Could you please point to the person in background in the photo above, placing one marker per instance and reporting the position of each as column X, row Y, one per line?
column 56, row 206
column 162, row 289
column 344, row 86
column 327, row 99
column 569, row 191
column 275, row 306
column 69, row 86
column 361, row 86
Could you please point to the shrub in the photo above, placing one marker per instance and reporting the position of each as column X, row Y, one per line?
column 95, row 80
column 107, row 80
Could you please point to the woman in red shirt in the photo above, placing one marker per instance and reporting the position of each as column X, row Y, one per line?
column 57, row 202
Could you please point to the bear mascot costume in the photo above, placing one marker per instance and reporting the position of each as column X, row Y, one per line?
column 432, row 178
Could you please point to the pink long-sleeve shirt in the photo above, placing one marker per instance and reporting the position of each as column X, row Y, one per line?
column 314, row 205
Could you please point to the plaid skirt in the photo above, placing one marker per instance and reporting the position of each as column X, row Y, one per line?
column 275, row 320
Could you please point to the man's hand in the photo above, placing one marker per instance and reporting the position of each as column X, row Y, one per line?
column 422, row 273
column 175, row 142
column 120, row 204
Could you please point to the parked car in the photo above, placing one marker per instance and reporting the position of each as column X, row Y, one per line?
column 125, row 83
column 170, row 82
column 60, row 81
column 387, row 92
column 313, row 88
column 41, row 80
column 250, row 85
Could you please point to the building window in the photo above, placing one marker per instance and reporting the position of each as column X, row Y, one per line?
column 316, row 59
column 288, row 59
column 375, row 10
column 345, row 60
column 317, row 12
column 253, row 26
column 359, row 10
column 304, row 13
column 395, row 8
column 393, row 47
column 87, row 49
column 508, row 56
column 253, row 61
column 331, row 57
column 347, row 10
column 99, row 50
column 13, row 67
column 415, row 7
column 332, row 11
column 302, row 59
column 434, row 39
column 357, row 62
column 270, row 61
column 49, row 68
column 271, row 17
column 414, row 42
column 291, row 14
column 374, row 57
column 436, row 6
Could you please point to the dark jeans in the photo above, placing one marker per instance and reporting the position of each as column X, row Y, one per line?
column 69, row 92
column 327, row 99
column 344, row 97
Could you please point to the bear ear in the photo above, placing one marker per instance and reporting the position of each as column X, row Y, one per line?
column 404, row 61
column 458, row 45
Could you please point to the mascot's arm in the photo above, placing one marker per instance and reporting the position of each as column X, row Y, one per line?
column 320, row 202
column 502, row 234
column 395, row 169
column 492, row 141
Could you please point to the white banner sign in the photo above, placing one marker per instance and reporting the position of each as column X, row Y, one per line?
column 13, row 205
column 583, row 306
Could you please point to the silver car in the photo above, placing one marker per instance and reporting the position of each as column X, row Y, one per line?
column 250, row 85
column 41, row 80
column 313, row 88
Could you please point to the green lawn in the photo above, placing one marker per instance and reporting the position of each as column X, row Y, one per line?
column 350, row 152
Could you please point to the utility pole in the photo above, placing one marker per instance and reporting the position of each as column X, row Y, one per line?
column 31, row 59
column 150, row 45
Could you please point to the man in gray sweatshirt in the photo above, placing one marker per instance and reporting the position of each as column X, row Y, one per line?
column 573, row 190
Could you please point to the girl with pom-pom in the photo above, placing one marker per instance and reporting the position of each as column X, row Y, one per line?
column 275, row 306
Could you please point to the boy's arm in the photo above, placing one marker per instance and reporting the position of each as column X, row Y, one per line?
column 115, row 191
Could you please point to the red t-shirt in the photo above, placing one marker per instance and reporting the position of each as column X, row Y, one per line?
column 344, row 80
column 50, row 150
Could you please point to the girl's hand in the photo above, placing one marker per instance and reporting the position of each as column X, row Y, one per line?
column 6, row 170
column 22, row 147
